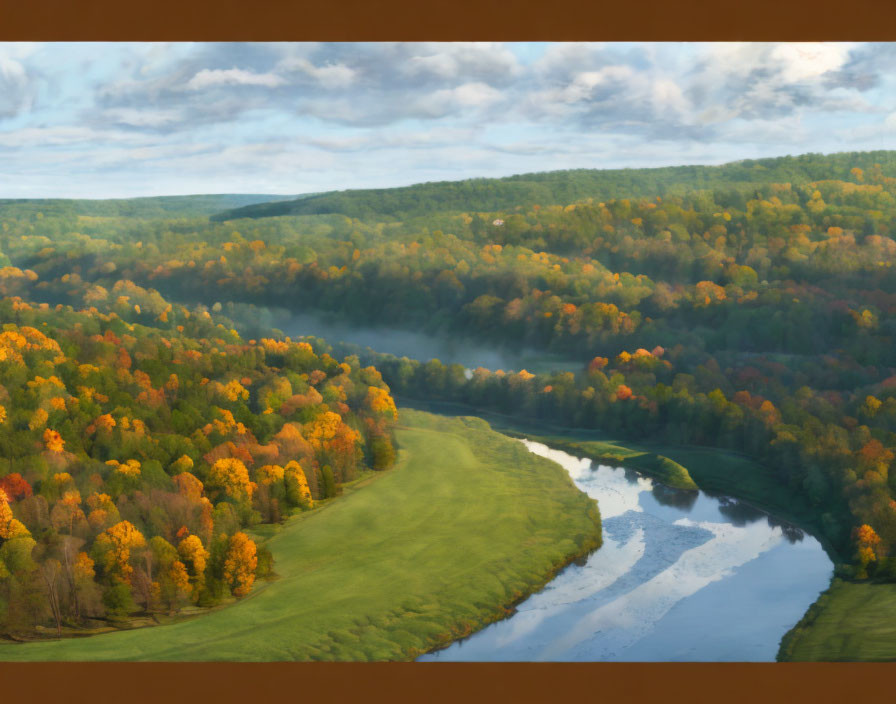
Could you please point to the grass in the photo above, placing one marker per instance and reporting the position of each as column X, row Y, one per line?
column 711, row 469
column 850, row 621
column 466, row 524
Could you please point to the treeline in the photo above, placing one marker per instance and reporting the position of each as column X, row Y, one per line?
column 563, row 187
column 789, row 269
column 148, row 207
column 140, row 439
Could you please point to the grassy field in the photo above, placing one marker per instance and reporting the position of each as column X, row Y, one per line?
column 850, row 621
column 465, row 525
column 710, row 469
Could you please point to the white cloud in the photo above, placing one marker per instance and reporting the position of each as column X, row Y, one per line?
column 667, row 96
column 583, row 84
column 449, row 101
column 144, row 117
column 808, row 60
column 19, row 50
column 329, row 75
column 15, row 93
column 208, row 78
column 471, row 95
column 457, row 61
column 60, row 135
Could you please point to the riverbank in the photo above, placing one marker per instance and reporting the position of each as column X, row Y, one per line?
column 851, row 621
column 467, row 524
column 681, row 576
column 663, row 469
column 827, row 630
column 713, row 470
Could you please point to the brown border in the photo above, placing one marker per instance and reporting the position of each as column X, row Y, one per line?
column 377, row 20
column 448, row 683
column 447, row 20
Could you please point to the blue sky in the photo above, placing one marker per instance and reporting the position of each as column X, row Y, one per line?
column 101, row 120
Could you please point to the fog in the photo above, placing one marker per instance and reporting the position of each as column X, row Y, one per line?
column 423, row 346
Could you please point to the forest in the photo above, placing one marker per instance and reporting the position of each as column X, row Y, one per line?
column 152, row 415
column 139, row 445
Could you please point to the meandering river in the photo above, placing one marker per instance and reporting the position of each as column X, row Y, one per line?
column 680, row 576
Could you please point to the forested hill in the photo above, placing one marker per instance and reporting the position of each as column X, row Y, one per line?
column 152, row 207
column 564, row 187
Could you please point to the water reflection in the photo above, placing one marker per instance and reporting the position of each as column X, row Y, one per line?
column 680, row 576
column 791, row 532
column 681, row 499
column 739, row 513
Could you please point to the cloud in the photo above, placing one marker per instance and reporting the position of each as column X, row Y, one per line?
column 59, row 136
column 375, row 141
column 392, row 112
column 350, row 84
column 663, row 92
column 329, row 75
column 14, row 88
column 687, row 91
column 147, row 117
column 764, row 81
column 17, row 82
column 866, row 67
column 208, row 78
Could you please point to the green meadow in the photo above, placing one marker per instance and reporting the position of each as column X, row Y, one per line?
column 710, row 469
column 850, row 621
column 466, row 524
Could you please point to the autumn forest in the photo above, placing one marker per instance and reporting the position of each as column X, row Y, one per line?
column 157, row 424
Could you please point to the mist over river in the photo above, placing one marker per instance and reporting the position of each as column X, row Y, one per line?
column 681, row 576
column 423, row 346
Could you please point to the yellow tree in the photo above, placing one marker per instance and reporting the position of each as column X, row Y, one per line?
column 182, row 464
column 867, row 540
column 297, row 490
column 103, row 511
column 195, row 557
column 38, row 419
column 53, row 441
column 231, row 476
column 5, row 515
column 240, row 563
column 188, row 486
column 171, row 583
column 269, row 474
column 380, row 401
column 114, row 545
column 10, row 527
column 871, row 406
column 129, row 469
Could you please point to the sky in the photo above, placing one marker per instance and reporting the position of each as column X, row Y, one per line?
column 110, row 120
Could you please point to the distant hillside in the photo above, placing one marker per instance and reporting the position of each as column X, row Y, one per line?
column 562, row 187
column 153, row 207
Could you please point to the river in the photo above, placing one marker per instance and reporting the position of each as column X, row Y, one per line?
column 681, row 576
column 422, row 346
